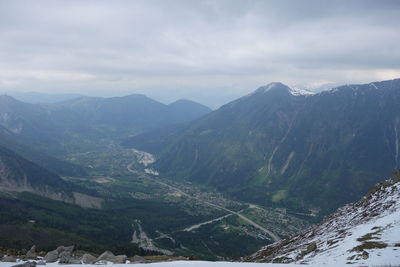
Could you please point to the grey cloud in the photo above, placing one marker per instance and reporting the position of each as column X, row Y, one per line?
column 194, row 47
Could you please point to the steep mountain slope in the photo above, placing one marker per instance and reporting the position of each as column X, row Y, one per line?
column 13, row 142
column 222, row 138
column 184, row 110
column 366, row 232
column 20, row 175
column 277, row 145
column 31, row 123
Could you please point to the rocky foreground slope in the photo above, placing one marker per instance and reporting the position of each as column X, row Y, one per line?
column 365, row 232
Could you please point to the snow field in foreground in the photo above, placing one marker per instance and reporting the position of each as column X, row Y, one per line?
column 181, row 264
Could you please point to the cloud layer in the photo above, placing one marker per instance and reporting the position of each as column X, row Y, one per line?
column 211, row 51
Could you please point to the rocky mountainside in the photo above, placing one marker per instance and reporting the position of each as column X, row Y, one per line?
column 366, row 232
column 281, row 146
column 20, row 175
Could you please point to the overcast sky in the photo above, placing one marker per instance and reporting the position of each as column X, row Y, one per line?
column 208, row 51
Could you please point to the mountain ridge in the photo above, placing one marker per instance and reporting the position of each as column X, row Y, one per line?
column 272, row 147
column 135, row 112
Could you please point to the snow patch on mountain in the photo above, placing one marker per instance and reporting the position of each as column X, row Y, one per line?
column 298, row 91
column 277, row 85
column 171, row 264
column 366, row 232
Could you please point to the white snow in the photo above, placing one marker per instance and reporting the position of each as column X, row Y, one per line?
column 373, row 85
column 390, row 235
column 387, row 223
column 292, row 90
column 397, row 146
column 298, row 91
column 377, row 216
column 179, row 264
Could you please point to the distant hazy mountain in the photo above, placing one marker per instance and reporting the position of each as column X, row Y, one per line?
column 133, row 113
column 51, row 127
column 363, row 233
column 279, row 146
column 185, row 110
column 42, row 98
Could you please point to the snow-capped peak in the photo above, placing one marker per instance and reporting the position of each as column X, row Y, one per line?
column 280, row 86
column 270, row 86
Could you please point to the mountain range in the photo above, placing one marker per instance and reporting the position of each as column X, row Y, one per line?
column 44, row 133
column 294, row 155
column 284, row 147
column 132, row 113
column 41, row 98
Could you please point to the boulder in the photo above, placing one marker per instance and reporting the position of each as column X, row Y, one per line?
column 106, row 256
column 138, row 259
column 40, row 263
column 31, row 254
column 78, row 254
column 120, row 259
column 88, row 258
column 26, row 264
column 42, row 254
column 9, row 259
column 65, row 257
column 60, row 249
column 51, row 256
column 70, row 249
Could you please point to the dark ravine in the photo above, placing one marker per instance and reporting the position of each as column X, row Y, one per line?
column 283, row 148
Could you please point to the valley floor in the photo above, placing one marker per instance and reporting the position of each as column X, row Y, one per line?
column 126, row 174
